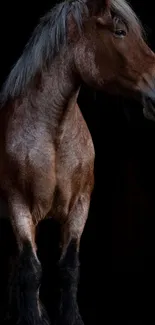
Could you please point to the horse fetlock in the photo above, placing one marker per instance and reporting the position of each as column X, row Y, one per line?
column 70, row 315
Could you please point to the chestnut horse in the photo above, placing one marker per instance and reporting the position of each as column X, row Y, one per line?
column 46, row 150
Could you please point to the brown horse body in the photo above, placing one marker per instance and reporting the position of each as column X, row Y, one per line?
column 53, row 167
column 47, row 154
column 50, row 163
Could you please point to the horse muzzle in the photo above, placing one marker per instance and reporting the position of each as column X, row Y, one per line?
column 149, row 107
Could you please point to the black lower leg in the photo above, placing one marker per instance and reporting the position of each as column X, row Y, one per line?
column 69, row 274
column 24, row 306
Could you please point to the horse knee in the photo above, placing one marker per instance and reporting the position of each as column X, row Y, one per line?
column 27, row 266
column 73, row 227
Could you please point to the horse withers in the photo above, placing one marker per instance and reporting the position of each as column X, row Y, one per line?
column 46, row 150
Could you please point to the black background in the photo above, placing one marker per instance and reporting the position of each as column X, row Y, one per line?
column 118, row 245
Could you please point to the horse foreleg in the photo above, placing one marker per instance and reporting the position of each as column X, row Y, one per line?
column 24, row 306
column 71, row 231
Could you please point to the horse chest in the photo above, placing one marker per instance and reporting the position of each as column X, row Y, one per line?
column 74, row 170
column 75, row 152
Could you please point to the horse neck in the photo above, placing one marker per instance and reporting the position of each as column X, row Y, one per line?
column 58, row 95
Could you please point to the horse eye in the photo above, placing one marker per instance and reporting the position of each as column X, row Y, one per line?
column 120, row 32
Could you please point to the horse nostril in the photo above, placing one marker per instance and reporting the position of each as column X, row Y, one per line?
column 149, row 108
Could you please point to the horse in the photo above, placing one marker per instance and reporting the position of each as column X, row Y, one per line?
column 46, row 150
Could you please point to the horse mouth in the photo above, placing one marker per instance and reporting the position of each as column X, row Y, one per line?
column 149, row 108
